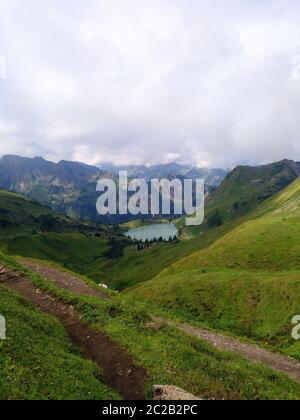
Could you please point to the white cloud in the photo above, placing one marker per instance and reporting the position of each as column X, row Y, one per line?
column 129, row 81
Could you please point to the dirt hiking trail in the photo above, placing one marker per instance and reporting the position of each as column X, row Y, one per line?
column 276, row 361
column 118, row 368
column 63, row 279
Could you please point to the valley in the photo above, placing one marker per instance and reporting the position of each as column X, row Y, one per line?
column 236, row 275
column 245, row 283
column 70, row 187
column 149, row 203
column 204, row 370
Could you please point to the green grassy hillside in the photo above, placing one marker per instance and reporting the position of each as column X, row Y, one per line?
column 29, row 229
column 37, row 361
column 250, row 186
column 170, row 356
column 73, row 250
column 247, row 282
column 258, row 306
column 268, row 240
column 21, row 215
column 246, row 187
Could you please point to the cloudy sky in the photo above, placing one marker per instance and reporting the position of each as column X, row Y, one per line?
column 212, row 83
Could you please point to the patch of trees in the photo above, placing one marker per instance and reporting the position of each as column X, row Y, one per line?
column 116, row 249
column 236, row 206
column 5, row 223
column 47, row 223
column 147, row 243
column 216, row 219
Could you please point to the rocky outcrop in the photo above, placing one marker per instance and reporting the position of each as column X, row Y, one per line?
column 172, row 393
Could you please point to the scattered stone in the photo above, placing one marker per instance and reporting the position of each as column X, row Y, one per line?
column 155, row 326
column 100, row 348
column 172, row 393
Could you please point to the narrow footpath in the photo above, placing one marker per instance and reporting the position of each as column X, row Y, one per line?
column 252, row 352
column 118, row 368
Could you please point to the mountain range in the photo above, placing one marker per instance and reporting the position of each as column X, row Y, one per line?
column 70, row 187
column 72, row 192
column 236, row 277
column 246, row 282
column 213, row 177
column 246, row 187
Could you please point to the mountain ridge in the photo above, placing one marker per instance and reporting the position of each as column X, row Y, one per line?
column 246, row 283
column 245, row 187
column 63, row 173
column 212, row 176
column 70, row 187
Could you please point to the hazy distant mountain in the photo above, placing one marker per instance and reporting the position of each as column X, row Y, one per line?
column 70, row 187
column 24, row 174
column 213, row 177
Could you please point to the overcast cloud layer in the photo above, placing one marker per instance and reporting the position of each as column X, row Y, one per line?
column 137, row 81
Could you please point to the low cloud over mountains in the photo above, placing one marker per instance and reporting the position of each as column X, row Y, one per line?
column 211, row 83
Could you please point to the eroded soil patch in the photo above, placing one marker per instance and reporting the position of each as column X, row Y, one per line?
column 278, row 362
column 118, row 368
column 63, row 279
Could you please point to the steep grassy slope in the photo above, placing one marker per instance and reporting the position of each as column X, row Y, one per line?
column 247, row 282
column 268, row 240
column 89, row 255
column 119, row 265
column 259, row 306
column 172, row 357
column 22, row 215
column 29, row 229
column 73, row 250
column 37, row 361
column 246, row 187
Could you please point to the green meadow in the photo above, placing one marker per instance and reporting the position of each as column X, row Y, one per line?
column 38, row 361
column 246, row 283
column 171, row 356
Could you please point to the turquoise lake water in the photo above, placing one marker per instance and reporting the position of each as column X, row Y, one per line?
column 150, row 232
